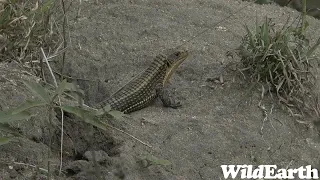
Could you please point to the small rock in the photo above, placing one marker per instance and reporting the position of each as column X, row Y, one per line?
column 77, row 166
column 100, row 156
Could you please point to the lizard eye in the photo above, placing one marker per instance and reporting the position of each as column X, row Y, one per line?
column 178, row 53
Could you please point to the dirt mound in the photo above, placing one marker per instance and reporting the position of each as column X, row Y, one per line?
column 219, row 123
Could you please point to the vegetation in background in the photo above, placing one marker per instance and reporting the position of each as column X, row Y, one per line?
column 282, row 59
column 24, row 27
column 27, row 29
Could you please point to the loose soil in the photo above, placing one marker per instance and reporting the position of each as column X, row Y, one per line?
column 218, row 123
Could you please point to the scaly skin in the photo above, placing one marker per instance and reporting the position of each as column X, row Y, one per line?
column 149, row 85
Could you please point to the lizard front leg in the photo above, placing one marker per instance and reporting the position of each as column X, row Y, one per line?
column 166, row 97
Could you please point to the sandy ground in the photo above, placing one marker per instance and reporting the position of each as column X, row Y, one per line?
column 112, row 41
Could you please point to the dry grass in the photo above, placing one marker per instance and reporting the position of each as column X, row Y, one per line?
column 282, row 60
column 25, row 26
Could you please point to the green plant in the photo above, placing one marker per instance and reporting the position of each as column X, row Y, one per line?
column 49, row 99
column 150, row 160
column 282, row 59
column 24, row 27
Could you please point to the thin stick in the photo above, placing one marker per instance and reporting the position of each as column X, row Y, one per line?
column 49, row 67
column 265, row 116
column 41, row 70
column 62, row 113
column 129, row 135
column 30, row 165
column 64, row 35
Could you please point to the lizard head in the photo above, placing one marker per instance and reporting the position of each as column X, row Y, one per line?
column 174, row 58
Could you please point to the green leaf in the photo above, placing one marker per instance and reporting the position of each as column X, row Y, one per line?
column 6, row 128
column 265, row 30
column 61, row 88
column 75, row 110
column 257, row 26
column 107, row 110
column 6, row 117
column 156, row 161
column 116, row 114
column 73, row 88
column 250, row 35
column 85, row 115
column 38, row 90
column 27, row 105
column 103, row 110
column 5, row 16
column 65, row 86
column 4, row 140
column 46, row 6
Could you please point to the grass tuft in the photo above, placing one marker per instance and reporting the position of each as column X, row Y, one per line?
column 24, row 27
column 281, row 59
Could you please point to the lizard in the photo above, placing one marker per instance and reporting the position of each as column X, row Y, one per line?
column 150, row 84
column 145, row 88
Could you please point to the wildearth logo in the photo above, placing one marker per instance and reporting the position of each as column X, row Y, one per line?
column 268, row 172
